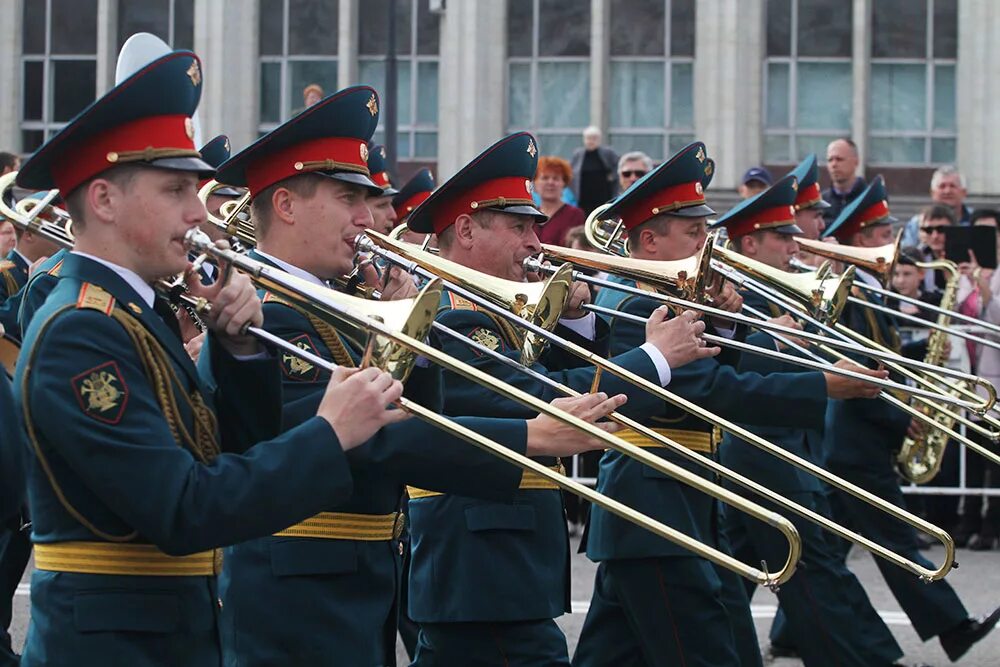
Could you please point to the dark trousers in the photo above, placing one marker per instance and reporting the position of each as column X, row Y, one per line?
column 932, row 608
column 15, row 551
column 828, row 616
column 577, row 509
column 981, row 473
column 514, row 644
column 667, row 611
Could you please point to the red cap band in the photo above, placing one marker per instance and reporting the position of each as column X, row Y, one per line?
column 324, row 154
column 663, row 201
column 407, row 207
column 500, row 192
column 808, row 196
column 778, row 216
column 381, row 179
column 872, row 214
column 154, row 136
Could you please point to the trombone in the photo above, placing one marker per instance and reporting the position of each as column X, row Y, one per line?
column 399, row 338
column 467, row 283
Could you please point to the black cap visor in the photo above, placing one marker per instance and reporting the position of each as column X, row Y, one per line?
column 194, row 164
column 540, row 218
column 699, row 211
column 353, row 178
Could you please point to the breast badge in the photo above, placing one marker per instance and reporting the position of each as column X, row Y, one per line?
column 296, row 368
column 102, row 392
column 486, row 338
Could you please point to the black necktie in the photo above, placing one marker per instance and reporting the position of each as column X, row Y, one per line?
column 167, row 314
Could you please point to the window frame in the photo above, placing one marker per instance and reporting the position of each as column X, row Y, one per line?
column 171, row 23
column 47, row 126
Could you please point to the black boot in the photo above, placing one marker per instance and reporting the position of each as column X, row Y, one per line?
column 967, row 527
column 957, row 641
column 986, row 539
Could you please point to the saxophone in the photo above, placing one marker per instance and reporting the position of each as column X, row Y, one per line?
column 919, row 460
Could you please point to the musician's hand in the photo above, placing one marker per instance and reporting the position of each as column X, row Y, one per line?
column 725, row 297
column 679, row 339
column 946, row 348
column 788, row 322
column 234, row 306
column 357, row 403
column 189, row 330
column 916, row 429
column 548, row 436
column 579, row 296
column 193, row 347
column 838, row 386
column 396, row 284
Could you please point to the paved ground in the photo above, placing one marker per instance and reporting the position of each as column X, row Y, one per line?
column 977, row 581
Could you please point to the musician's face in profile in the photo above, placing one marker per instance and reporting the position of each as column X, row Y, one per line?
column 383, row 214
column 331, row 219
column 681, row 238
column 771, row 248
column 873, row 237
column 500, row 242
column 811, row 222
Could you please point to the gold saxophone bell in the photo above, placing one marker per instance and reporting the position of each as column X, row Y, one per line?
column 540, row 303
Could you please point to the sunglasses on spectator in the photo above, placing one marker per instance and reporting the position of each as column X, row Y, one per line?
column 930, row 229
column 637, row 173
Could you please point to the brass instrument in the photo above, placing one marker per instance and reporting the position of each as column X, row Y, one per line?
column 879, row 261
column 234, row 215
column 395, row 344
column 920, row 458
column 468, row 283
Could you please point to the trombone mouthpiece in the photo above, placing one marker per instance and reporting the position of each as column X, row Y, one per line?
column 363, row 244
column 195, row 239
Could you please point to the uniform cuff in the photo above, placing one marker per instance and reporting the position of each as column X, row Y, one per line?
column 586, row 326
column 662, row 367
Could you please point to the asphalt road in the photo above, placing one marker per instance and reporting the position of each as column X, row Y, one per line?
column 977, row 581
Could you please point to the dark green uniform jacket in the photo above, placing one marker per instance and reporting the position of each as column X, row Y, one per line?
column 109, row 466
column 338, row 597
column 13, row 276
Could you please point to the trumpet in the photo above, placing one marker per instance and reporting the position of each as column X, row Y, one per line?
column 427, row 265
column 339, row 308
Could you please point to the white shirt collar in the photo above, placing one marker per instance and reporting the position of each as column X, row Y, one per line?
column 292, row 269
column 868, row 278
column 141, row 287
column 27, row 262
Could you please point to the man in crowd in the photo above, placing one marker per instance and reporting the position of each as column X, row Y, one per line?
column 631, row 167
column 845, row 184
column 755, row 180
column 380, row 201
column 594, row 179
column 947, row 190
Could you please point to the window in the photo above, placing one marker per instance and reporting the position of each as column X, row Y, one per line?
column 912, row 100
column 170, row 20
column 548, row 72
column 417, row 47
column 58, row 66
column 298, row 47
column 651, row 73
column 807, row 77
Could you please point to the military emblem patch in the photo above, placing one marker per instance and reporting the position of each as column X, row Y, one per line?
column 486, row 338
column 296, row 368
column 102, row 392
column 532, row 151
column 194, row 73
column 364, row 152
column 372, row 105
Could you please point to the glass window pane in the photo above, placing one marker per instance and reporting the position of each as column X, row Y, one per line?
column 402, row 145
column 428, row 30
column 33, row 28
column 682, row 27
column 776, row 148
column 519, row 22
column 32, row 140
column 33, row 90
column 637, row 27
column 404, row 115
column 373, row 17
column 562, row 145
column 519, row 96
column 74, row 86
column 143, row 16
column 903, row 149
column 269, row 30
column 682, row 95
column 425, row 145
column 777, row 95
column 427, row 93
column 824, row 96
column 183, row 24
column 637, row 94
column 312, row 28
column 901, row 100
column 74, row 27
column 943, row 151
column 565, row 89
column 677, row 142
column 372, row 73
column 650, row 144
column 899, row 29
column 563, row 28
column 270, row 92
column 945, row 28
column 944, row 97
column 805, row 145
column 824, row 28
column 304, row 72
column 779, row 27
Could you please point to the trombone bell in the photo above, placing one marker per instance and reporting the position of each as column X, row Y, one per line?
column 879, row 261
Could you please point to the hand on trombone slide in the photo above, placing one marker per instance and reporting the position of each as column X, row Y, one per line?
column 679, row 339
column 551, row 437
column 839, row 386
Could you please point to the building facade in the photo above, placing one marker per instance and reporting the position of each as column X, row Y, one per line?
column 913, row 82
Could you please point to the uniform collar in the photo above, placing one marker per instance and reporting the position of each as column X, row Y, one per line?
column 131, row 278
column 290, row 268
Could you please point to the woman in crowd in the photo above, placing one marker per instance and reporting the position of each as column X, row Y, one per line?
column 550, row 179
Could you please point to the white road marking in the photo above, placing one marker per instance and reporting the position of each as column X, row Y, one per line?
column 768, row 611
